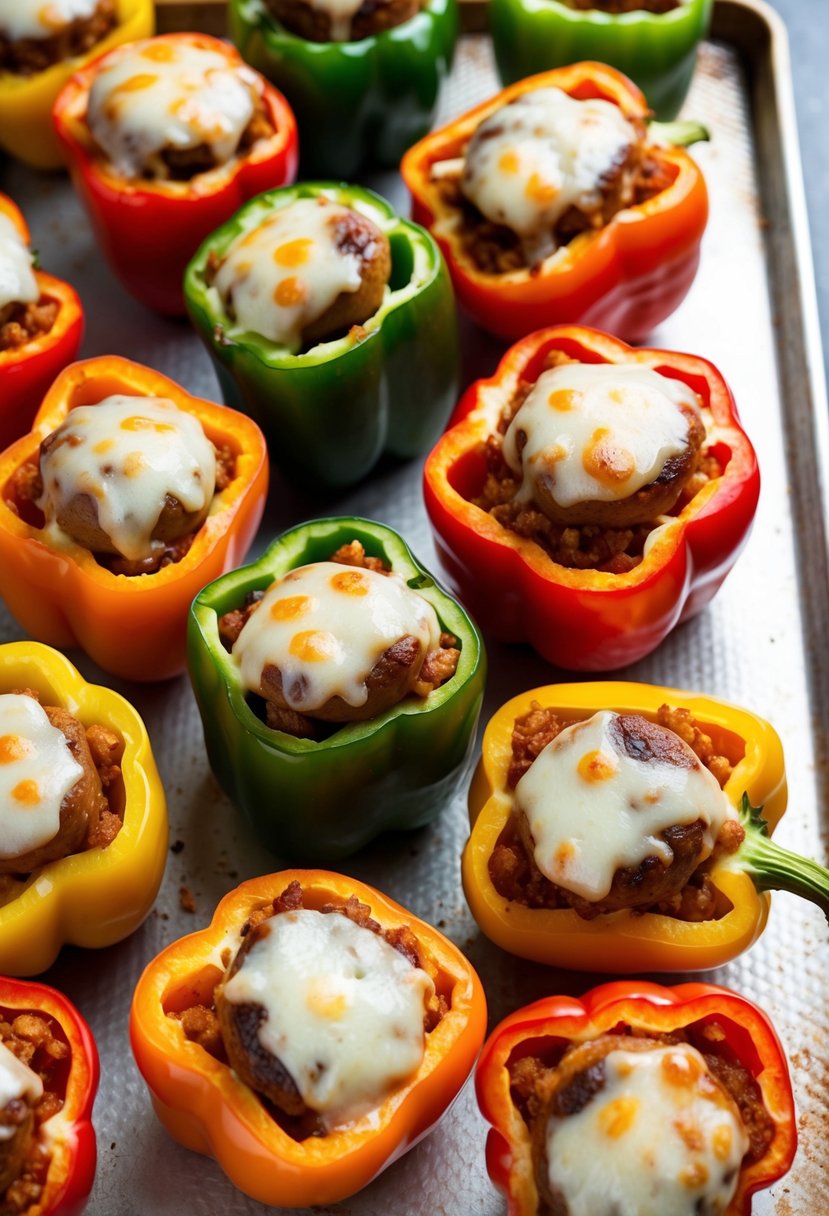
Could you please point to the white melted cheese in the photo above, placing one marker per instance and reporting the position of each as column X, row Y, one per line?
column 129, row 453
column 325, row 626
column 17, row 1082
column 37, row 771
column 18, row 284
column 531, row 160
column 592, row 809
column 344, row 1009
column 287, row 272
column 159, row 94
column 597, row 431
column 41, row 19
column 661, row 1138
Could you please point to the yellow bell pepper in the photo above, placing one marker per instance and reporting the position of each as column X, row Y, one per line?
column 99, row 896
column 26, row 101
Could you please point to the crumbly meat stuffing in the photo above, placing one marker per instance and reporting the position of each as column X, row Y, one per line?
column 183, row 164
column 21, row 324
column 624, row 6
column 30, row 55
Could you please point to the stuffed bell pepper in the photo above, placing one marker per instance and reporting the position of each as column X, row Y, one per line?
column 41, row 45
column 554, row 202
column 654, row 42
column 165, row 139
column 304, row 1084
column 339, row 688
column 48, row 1079
column 622, row 827
column 636, row 1098
column 125, row 499
column 564, row 521
column 363, row 78
column 83, row 837
column 330, row 321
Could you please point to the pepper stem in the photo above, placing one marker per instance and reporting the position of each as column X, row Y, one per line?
column 677, row 134
column 773, row 868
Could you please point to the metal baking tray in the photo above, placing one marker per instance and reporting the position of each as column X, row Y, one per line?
column 763, row 643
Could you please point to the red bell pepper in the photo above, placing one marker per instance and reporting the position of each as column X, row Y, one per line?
column 71, row 1140
column 27, row 371
column 549, row 1025
column 587, row 620
column 149, row 230
column 625, row 277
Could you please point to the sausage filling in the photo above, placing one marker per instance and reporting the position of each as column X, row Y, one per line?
column 341, row 20
column 30, row 44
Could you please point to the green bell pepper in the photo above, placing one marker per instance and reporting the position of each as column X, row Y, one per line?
column 324, row 800
column 330, row 413
column 355, row 102
column 657, row 50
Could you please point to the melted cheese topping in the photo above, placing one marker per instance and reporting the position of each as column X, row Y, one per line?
column 593, row 809
column 661, row 1138
column 597, row 431
column 344, row 1009
column 17, row 1081
column 37, row 771
column 128, row 454
column 531, row 160
column 41, row 19
column 287, row 272
column 158, row 94
column 325, row 626
column 18, row 284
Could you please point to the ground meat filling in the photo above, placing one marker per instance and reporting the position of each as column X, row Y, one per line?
column 30, row 55
column 35, row 1041
column 182, row 164
column 562, row 1083
column 201, row 1025
column 21, row 324
column 438, row 666
column 313, row 23
column 516, row 876
column 624, row 6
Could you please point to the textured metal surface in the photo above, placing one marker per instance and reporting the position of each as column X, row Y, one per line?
column 762, row 643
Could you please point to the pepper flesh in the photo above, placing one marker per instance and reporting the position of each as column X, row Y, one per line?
column 653, row 1009
column 625, row 277
column 203, row 1104
column 134, row 627
column 587, row 620
column 331, row 412
column 149, row 230
column 658, row 51
column 353, row 100
column 396, row 771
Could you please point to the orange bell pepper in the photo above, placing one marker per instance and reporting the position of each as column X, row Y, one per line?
column 204, row 1105
column 134, row 627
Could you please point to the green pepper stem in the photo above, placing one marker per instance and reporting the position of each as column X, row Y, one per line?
column 773, row 868
column 677, row 134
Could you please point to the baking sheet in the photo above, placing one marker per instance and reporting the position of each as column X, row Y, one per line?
column 763, row 643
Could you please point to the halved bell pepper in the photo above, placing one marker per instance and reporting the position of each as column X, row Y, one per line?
column 132, row 626
column 330, row 413
column 70, row 1142
column 26, row 101
column 625, row 277
column 149, row 230
column 324, row 800
column 624, row 942
column 748, row 1038
column 204, row 1105
column 588, row 620
column 99, row 896
column 27, row 371
column 657, row 51
column 356, row 102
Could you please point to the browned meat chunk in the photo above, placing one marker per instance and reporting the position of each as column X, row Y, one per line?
column 30, row 55
column 21, row 324
column 314, row 24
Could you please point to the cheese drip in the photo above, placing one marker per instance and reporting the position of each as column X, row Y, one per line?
column 325, row 626
column 287, row 272
column 157, row 94
column 531, row 160
column 597, row 432
column 17, row 1083
column 660, row 1138
column 341, row 13
column 593, row 809
column 37, row 771
column 41, row 19
column 128, row 454
column 18, row 284
column 344, row 1009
